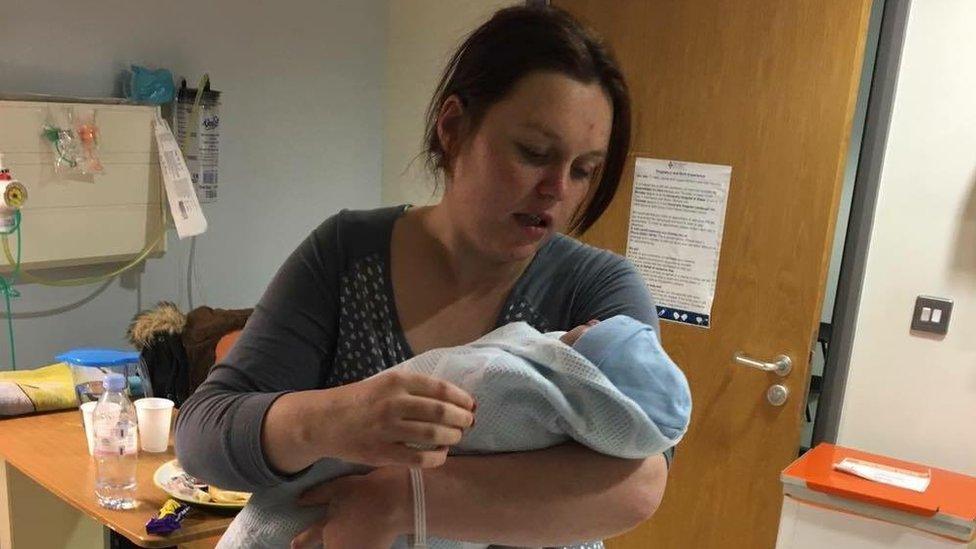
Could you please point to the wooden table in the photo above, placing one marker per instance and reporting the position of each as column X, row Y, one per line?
column 51, row 449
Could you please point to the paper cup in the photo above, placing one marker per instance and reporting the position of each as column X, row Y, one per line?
column 88, row 418
column 154, row 416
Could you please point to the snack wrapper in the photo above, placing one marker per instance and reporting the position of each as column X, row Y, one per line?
column 169, row 519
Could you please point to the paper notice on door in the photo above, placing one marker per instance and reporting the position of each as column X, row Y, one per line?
column 677, row 214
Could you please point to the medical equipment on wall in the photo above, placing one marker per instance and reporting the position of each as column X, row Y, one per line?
column 73, row 135
column 53, row 146
column 196, row 124
column 13, row 198
column 119, row 177
column 13, row 194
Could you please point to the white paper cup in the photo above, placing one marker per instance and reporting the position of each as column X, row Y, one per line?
column 88, row 418
column 154, row 416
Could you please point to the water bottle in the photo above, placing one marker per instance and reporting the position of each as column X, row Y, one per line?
column 116, row 446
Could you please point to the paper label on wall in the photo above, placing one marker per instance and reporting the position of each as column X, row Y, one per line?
column 677, row 214
column 183, row 204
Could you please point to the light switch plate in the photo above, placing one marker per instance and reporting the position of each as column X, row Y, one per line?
column 931, row 315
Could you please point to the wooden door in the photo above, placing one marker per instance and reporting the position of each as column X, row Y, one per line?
column 768, row 87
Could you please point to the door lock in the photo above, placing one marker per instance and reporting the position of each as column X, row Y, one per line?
column 777, row 394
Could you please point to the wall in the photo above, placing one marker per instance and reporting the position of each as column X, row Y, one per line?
column 421, row 37
column 302, row 121
column 911, row 396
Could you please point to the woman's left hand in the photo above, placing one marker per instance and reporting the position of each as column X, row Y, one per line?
column 364, row 511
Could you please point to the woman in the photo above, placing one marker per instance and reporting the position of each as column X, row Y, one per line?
column 530, row 128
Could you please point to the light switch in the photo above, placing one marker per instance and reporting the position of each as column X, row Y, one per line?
column 931, row 315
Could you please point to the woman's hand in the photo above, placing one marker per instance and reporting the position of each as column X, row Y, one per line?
column 373, row 421
column 364, row 511
column 370, row 422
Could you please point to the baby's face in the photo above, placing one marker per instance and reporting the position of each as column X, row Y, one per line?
column 570, row 337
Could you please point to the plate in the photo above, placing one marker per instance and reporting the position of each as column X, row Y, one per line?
column 172, row 469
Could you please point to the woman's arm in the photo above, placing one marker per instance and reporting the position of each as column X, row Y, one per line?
column 562, row 495
column 550, row 497
column 286, row 434
column 286, row 348
column 369, row 422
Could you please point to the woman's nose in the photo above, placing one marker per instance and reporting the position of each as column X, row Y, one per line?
column 554, row 183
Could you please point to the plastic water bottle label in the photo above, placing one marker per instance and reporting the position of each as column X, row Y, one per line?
column 116, row 439
column 114, row 435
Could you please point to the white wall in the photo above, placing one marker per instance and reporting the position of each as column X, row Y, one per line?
column 302, row 137
column 909, row 396
column 421, row 37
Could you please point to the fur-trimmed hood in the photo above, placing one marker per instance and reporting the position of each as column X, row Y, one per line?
column 165, row 318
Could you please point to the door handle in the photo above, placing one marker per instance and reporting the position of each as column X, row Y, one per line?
column 782, row 364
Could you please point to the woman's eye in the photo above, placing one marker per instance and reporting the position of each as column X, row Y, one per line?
column 533, row 155
column 584, row 174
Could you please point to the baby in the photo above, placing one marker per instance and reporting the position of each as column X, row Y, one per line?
column 630, row 355
column 607, row 385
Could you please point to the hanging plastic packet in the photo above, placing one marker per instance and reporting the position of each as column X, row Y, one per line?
column 73, row 135
column 59, row 131
column 87, row 132
column 196, row 124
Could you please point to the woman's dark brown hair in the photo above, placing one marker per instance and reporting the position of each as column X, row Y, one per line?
column 520, row 40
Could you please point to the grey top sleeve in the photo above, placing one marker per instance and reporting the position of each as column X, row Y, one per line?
column 573, row 283
column 287, row 345
column 616, row 288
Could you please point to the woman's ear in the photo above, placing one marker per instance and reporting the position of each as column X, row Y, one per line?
column 450, row 125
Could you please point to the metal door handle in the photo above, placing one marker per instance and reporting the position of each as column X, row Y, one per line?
column 782, row 365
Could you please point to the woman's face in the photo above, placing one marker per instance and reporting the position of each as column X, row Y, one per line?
column 528, row 166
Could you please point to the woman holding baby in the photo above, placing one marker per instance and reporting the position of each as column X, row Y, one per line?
column 529, row 128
